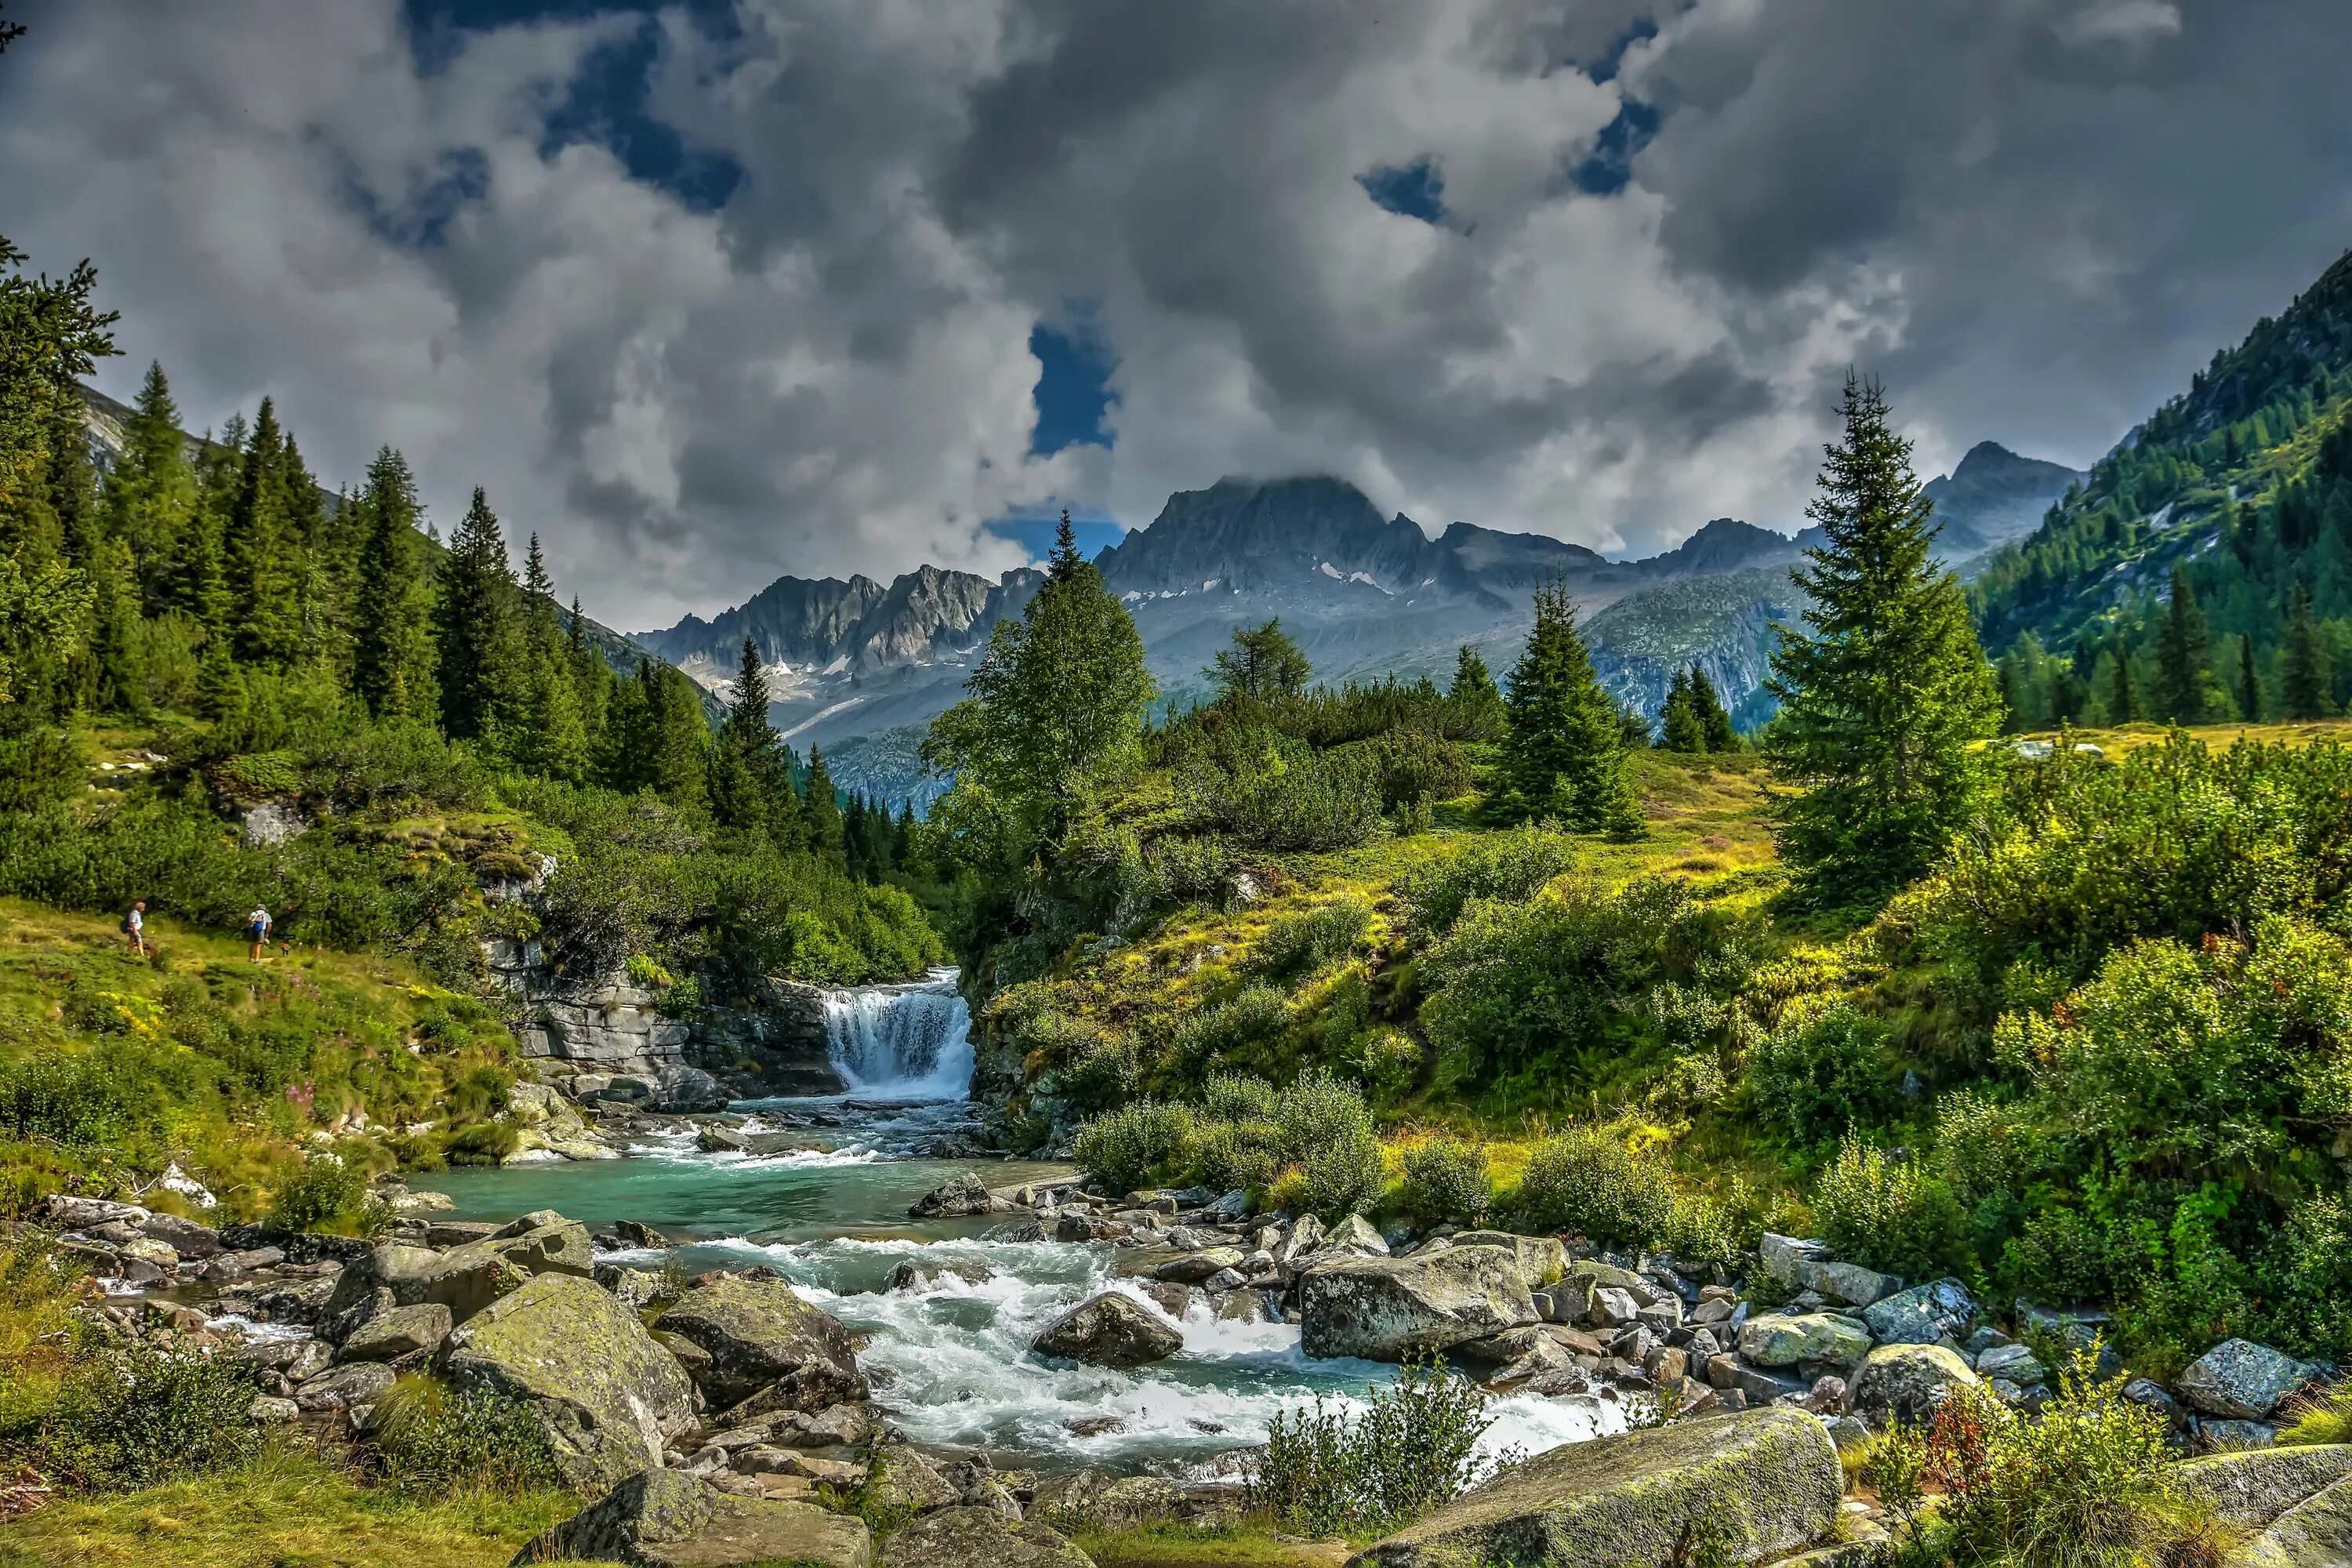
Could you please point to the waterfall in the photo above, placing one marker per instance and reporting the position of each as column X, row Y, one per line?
column 902, row 1042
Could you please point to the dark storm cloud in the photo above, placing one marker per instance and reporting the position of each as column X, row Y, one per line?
column 708, row 293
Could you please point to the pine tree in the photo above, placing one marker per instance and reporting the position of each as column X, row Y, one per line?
column 1262, row 665
column 1882, row 701
column 2306, row 682
column 1714, row 719
column 1678, row 725
column 2184, row 680
column 1476, row 699
column 151, row 491
column 196, row 574
column 553, row 740
column 394, row 657
column 480, row 651
column 1565, row 752
column 2123, row 691
column 747, row 772
column 261, row 552
column 2250, row 686
column 825, row 833
column 678, row 738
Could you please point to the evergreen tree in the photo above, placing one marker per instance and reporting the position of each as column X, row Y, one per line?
column 261, row 552
column 2306, row 682
column 1054, row 708
column 479, row 647
column 2184, row 680
column 1678, row 725
column 749, row 779
column 197, row 574
column 2123, row 691
column 394, row 653
column 825, row 832
column 592, row 679
column 151, row 491
column 1263, row 665
column 1714, row 719
column 1565, row 752
column 554, row 738
column 678, row 738
column 1476, row 698
column 1882, row 703
column 2250, row 686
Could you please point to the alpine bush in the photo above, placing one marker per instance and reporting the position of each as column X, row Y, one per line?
column 1885, row 1213
column 1447, row 1179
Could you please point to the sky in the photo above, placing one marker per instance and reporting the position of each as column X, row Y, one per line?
column 707, row 293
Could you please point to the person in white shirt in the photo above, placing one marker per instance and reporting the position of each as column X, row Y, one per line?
column 134, row 926
column 256, row 930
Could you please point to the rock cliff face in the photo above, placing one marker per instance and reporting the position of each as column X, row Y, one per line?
column 774, row 1042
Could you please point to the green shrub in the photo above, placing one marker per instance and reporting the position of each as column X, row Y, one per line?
column 432, row 1441
column 2064, row 1255
column 1885, row 1213
column 2306, row 1274
column 1589, row 1180
column 1412, row 1449
column 1298, row 944
column 1129, row 1147
column 260, row 774
column 483, row 1143
column 1327, row 1132
column 1823, row 1072
column 81, row 1098
column 1510, row 867
column 1446, row 1178
column 136, row 1417
column 1235, row 1030
column 1292, row 797
column 321, row 1191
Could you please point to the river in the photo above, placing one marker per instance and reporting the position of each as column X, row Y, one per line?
column 950, row 1358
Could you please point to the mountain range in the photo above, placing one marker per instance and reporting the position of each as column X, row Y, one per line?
column 858, row 666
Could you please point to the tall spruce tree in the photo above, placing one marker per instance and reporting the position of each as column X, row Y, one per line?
column 261, row 549
column 394, row 653
column 2123, row 690
column 1476, row 699
column 750, row 783
column 1564, row 754
column 1714, row 719
column 2250, row 684
column 151, row 490
column 2306, row 682
column 826, row 830
column 476, row 616
column 1884, row 696
column 1678, row 723
column 2185, row 685
column 678, row 738
column 554, row 740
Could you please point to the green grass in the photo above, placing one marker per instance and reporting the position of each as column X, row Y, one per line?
column 286, row 1510
column 1237, row 1545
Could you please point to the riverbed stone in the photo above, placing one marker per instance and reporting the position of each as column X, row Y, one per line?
column 1781, row 1339
column 468, row 1277
column 1388, row 1309
column 966, row 1195
column 1108, row 1329
column 1771, row 1476
column 605, row 1393
column 672, row 1518
column 2242, row 1380
column 1784, row 1257
column 2314, row 1533
column 969, row 1537
column 359, row 1384
column 1847, row 1282
column 763, row 1339
column 1904, row 1383
column 2017, row 1363
column 1922, row 1315
column 1542, row 1259
column 1356, row 1233
column 2247, row 1490
column 1197, row 1267
column 404, row 1331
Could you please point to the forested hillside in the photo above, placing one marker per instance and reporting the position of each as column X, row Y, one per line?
column 2203, row 571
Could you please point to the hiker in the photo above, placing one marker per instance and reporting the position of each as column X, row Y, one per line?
column 134, row 926
column 256, row 930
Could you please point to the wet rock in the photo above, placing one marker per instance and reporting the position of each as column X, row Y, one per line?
column 1108, row 1329
column 1781, row 1340
column 966, row 1195
column 911, row 1277
column 713, row 1139
column 467, row 1278
column 403, row 1332
column 184, row 1236
column 761, row 1338
column 1774, row 1474
column 358, row 1384
column 1388, row 1308
column 1169, row 1296
column 666, row 1519
column 1922, row 1315
column 1199, row 1265
column 1904, row 1383
column 636, row 1233
column 606, row 1394
column 969, row 1537
column 2242, row 1380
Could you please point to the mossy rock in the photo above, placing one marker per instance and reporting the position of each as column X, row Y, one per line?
column 2314, row 1533
column 760, row 1335
column 1758, row 1484
column 2249, row 1489
column 671, row 1519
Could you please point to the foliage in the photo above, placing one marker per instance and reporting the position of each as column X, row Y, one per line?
column 1510, row 867
column 432, row 1441
column 321, row 1191
column 1290, row 796
column 1316, row 1136
column 1882, row 696
column 1592, row 1181
column 131, row 1417
column 1125, row 1149
column 1885, row 1213
column 1447, row 1179
column 1823, row 1072
column 1564, row 753
column 1297, row 944
column 1412, row 1449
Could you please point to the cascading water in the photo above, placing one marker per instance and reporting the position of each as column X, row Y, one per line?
column 901, row 1042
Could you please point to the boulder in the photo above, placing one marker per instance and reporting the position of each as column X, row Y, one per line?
column 359, row 1384
column 761, row 1335
column 2242, row 1380
column 683, row 1090
column 415, row 1330
column 1847, row 1282
column 674, row 1518
column 1903, row 1383
column 1769, row 1477
column 969, row 1537
column 81, row 1214
column 1199, row 1265
column 965, row 1195
column 1922, row 1315
column 1778, row 1340
column 1542, row 1259
column 467, row 1278
column 606, row 1394
column 899, row 1481
column 713, row 1139
column 184, row 1236
column 1355, row 1234
column 1108, row 1329
column 1388, row 1308
column 1784, row 1257
column 2247, row 1490
column 2015, row 1363
column 2314, row 1533
column 1609, row 1276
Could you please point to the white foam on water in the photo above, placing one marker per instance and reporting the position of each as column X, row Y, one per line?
column 906, row 1042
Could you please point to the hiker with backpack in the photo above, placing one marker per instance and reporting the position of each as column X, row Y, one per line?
column 134, row 926
column 256, row 930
